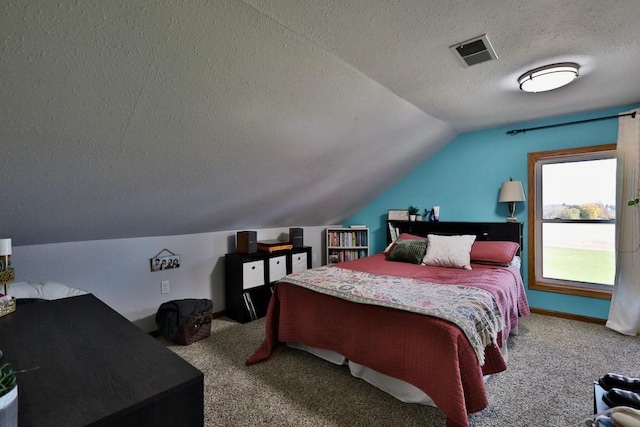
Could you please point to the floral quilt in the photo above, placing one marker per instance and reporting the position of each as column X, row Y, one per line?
column 473, row 310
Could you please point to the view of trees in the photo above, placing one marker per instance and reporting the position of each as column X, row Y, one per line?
column 584, row 211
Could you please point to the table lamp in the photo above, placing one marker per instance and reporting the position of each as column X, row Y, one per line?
column 511, row 192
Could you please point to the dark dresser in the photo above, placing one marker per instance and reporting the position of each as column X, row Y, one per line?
column 96, row 368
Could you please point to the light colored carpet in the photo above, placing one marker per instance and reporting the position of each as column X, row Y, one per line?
column 549, row 382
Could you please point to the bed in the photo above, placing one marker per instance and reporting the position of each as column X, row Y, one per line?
column 427, row 327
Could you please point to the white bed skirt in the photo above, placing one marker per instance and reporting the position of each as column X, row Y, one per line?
column 399, row 389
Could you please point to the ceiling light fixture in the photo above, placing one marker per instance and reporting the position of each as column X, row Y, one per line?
column 548, row 77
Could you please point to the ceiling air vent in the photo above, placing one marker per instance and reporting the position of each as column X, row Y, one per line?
column 474, row 51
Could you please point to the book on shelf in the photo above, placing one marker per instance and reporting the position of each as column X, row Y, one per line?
column 273, row 245
column 347, row 238
column 343, row 255
column 393, row 232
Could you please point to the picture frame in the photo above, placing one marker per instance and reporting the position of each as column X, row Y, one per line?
column 165, row 262
column 398, row 215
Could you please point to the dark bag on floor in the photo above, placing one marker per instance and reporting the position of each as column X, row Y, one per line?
column 195, row 328
column 185, row 321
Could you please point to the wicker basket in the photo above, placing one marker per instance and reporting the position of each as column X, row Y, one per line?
column 7, row 307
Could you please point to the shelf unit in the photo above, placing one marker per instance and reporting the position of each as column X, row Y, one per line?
column 249, row 279
column 346, row 244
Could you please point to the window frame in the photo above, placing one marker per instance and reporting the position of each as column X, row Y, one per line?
column 535, row 160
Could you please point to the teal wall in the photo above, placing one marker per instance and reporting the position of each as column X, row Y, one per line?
column 464, row 179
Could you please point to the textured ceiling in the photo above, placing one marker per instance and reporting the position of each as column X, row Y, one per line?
column 141, row 118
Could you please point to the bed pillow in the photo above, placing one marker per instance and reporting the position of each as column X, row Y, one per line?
column 515, row 262
column 403, row 236
column 44, row 290
column 497, row 253
column 410, row 250
column 407, row 236
column 449, row 251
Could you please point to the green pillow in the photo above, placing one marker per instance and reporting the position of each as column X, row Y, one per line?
column 411, row 251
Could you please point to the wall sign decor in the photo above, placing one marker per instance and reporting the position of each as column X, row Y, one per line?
column 165, row 262
column 398, row 215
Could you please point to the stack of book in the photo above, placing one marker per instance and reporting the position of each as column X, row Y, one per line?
column 273, row 245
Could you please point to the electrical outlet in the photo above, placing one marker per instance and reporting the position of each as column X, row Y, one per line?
column 165, row 287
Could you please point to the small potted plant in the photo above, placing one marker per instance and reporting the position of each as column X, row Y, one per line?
column 413, row 211
column 9, row 395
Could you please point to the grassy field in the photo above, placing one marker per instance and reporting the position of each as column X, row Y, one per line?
column 579, row 265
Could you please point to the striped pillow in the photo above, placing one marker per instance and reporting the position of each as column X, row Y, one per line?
column 411, row 251
column 495, row 252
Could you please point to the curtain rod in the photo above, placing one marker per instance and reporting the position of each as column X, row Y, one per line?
column 517, row 131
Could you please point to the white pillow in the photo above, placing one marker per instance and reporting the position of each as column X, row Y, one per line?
column 515, row 262
column 449, row 251
column 45, row 290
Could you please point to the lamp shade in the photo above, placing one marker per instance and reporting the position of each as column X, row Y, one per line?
column 512, row 191
column 5, row 247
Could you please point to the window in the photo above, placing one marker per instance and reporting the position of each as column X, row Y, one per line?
column 572, row 211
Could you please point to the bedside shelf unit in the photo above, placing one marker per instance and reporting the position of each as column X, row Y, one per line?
column 346, row 244
column 249, row 279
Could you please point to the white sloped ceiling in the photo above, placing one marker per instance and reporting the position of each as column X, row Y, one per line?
column 142, row 118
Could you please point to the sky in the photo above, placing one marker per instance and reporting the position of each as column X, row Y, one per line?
column 576, row 183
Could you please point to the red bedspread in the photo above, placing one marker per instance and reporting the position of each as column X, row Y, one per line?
column 505, row 284
column 430, row 353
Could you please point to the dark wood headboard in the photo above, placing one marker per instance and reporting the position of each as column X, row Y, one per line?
column 509, row 231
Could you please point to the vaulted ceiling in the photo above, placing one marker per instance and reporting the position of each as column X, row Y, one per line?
column 144, row 118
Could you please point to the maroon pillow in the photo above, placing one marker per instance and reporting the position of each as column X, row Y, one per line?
column 499, row 252
column 407, row 236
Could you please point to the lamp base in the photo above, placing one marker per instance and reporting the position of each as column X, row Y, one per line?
column 512, row 211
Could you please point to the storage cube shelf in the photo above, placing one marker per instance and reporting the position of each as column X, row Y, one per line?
column 346, row 244
column 249, row 279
